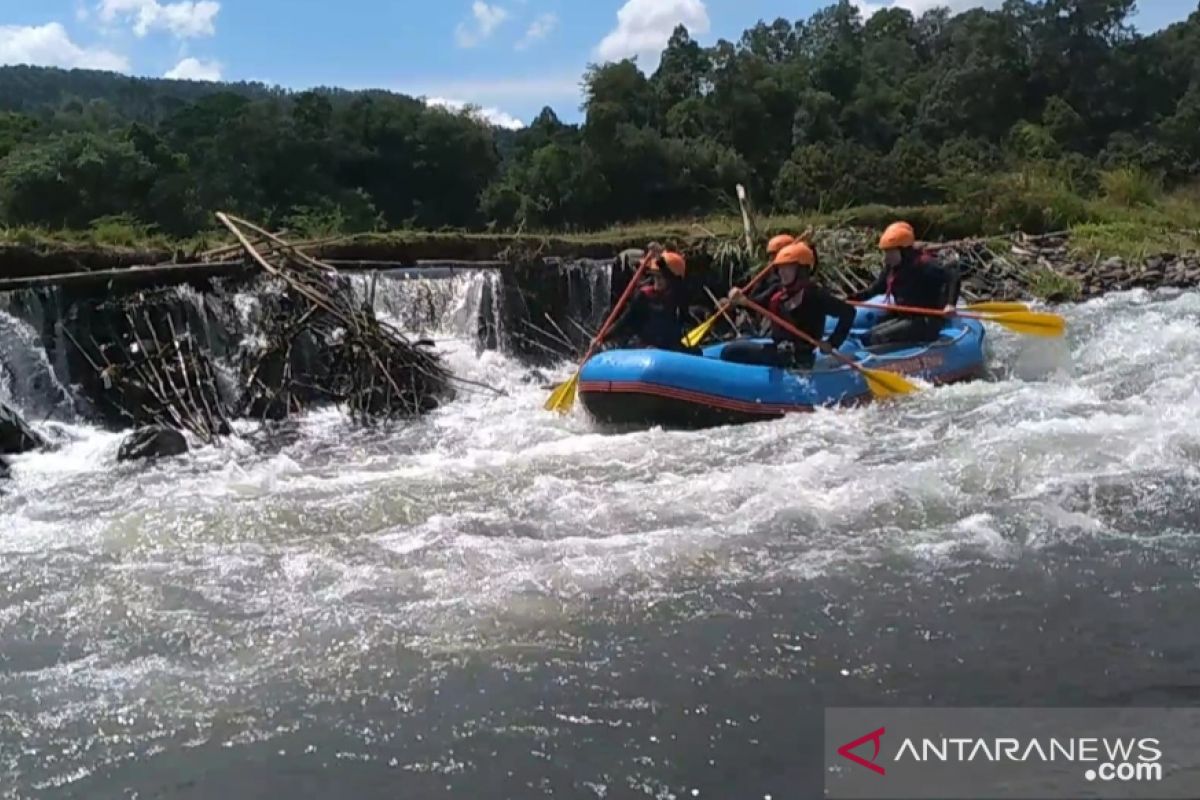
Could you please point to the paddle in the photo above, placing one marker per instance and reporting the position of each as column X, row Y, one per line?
column 880, row 382
column 562, row 398
column 1031, row 323
column 995, row 305
column 697, row 334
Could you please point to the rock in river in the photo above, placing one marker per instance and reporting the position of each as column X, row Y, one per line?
column 15, row 435
column 152, row 442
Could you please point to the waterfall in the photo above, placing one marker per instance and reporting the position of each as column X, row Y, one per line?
column 464, row 304
column 483, row 309
column 28, row 381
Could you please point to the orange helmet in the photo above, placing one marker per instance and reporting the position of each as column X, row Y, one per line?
column 674, row 261
column 779, row 242
column 796, row 253
column 898, row 234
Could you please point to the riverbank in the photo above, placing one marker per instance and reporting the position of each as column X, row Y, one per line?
column 1066, row 248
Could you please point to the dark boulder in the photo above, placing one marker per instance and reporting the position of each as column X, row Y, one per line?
column 152, row 442
column 15, row 435
column 4, row 472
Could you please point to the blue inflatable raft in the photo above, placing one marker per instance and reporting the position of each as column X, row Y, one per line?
column 657, row 387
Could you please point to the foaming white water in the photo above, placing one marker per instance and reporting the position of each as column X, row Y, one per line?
column 26, row 376
column 209, row 579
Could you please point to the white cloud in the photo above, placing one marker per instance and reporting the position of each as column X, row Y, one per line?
column 867, row 9
column 50, row 46
column 485, row 20
column 187, row 19
column 192, row 69
column 919, row 7
column 501, row 91
column 539, row 29
column 645, row 26
column 493, row 116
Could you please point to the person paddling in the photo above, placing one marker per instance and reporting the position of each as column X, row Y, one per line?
column 769, row 281
column 910, row 277
column 657, row 312
column 802, row 302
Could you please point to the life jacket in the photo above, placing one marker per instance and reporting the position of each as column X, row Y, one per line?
column 788, row 298
column 786, row 302
column 652, row 295
column 662, row 325
column 912, row 283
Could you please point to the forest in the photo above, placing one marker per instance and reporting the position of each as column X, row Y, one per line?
column 1014, row 117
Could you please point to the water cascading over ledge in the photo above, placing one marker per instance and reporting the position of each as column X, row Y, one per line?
column 65, row 344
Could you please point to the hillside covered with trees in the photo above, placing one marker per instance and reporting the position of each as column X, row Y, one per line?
column 1035, row 105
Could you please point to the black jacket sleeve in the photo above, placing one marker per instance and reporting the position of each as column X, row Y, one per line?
column 952, row 284
column 836, row 307
column 679, row 295
column 876, row 288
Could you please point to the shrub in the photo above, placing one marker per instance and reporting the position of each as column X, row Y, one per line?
column 1054, row 287
column 1131, row 186
column 118, row 230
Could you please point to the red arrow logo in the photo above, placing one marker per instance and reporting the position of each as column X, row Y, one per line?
column 845, row 751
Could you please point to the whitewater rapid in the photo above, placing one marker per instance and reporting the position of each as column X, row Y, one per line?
column 233, row 599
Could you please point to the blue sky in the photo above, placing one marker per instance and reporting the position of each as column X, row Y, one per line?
column 510, row 57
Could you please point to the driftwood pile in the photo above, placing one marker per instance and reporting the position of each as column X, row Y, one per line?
column 319, row 345
column 143, row 368
column 149, row 369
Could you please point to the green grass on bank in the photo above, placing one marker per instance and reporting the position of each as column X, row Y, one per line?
column 1126, row 213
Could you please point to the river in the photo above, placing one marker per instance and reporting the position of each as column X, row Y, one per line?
column 497, row 602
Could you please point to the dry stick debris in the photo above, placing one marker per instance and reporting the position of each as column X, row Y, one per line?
column 153, row 380
column 364, row 364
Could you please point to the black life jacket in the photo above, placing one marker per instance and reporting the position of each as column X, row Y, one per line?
column 662, row 323
column 917, row 281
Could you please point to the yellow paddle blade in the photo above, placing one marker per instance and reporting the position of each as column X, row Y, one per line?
column 1030, row 323
column 887, row 384
column 997, row 307
column 697, row 334
column 562, row 398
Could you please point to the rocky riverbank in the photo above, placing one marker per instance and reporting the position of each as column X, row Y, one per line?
column 1050, row 266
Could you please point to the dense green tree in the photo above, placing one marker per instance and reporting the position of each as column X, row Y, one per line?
column 824, row 112
column 71, row 179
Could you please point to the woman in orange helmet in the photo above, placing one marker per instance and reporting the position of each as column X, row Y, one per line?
column 799, row 300
column 770, row 282
column 657, row 312
column 910, row 278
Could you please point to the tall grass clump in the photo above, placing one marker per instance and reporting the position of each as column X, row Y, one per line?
column 1131, row 187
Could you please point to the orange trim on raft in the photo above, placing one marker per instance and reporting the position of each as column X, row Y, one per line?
column 744, row 406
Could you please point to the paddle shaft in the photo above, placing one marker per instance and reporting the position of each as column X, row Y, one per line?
column 792, row 329
column 724, row 305
column 723, row 310
column 928, row 312
column 765, row 271
column 617, row 309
